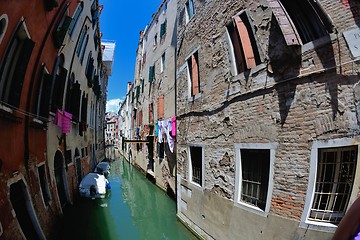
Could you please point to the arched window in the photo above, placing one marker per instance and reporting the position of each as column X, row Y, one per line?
column 13, row 71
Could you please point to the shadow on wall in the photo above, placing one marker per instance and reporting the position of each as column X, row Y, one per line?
column 286, row 61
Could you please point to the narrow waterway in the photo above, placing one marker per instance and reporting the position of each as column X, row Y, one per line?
column 135, row 209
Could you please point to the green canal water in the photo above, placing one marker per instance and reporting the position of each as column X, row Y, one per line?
column 135, row 209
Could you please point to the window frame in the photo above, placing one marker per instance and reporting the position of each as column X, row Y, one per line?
column 162, row 62
column 333, row 143
column 191, row 81
column 248, row 54
column 4, row 17
column 190, row 173
column 47, row 188
column 238, row 177
column 189, row 7
column 287, row 22
column 9, row 68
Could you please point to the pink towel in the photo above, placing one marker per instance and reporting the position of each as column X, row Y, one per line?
column 173, row 127
column 66, row 122
column 58, row 118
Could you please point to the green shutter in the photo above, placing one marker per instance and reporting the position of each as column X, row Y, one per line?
column 151, row 74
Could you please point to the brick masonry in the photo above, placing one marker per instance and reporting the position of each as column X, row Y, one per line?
column 298, row 95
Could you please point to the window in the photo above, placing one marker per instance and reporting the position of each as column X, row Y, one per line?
column 75, row 17
column 189, row 10
column 193, row 74
column 255, row 164
column 89, row 70
column 301, row 21
column 81, row 42
column 41, row 108
column 244, row 52
column 151, row 113
column 196, row 165
column 84, row 104
column 68, row 156
column 44, row 185
column 160, row 149
column 82, row 54
column 334, row 182
column 58, row 87
column 61, row 30
column 160, row 107
column 254, row 176
column 162, row 62
column 155, row 41
column 162, row 31
column 151, row 74
column 140, row 118
column 13, row 68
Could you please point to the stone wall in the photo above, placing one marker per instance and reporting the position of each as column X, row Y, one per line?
column 297, row 96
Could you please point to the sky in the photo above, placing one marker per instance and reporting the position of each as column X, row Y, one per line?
column 121, row 21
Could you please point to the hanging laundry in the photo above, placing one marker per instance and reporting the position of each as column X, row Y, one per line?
column 81, row 128
column 166, row 127
column 173, row 128
column 58, row 118
column 160, row 136
column 156, row 129
column 66, row 122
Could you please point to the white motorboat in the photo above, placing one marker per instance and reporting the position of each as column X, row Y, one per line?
column 94, row 185
column 103, row 168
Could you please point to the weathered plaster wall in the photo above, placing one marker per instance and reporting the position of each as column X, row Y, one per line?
column 297, row 96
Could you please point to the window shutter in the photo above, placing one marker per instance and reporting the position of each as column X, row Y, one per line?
column 59, row 34
column 45, row 96
column 151, row 74
column 151, row 113
column 245, row 42
column 161, row 107
column 58, row 91
column 19, row 73
column 195, row 88
column 76, row 96
column 191, row 8
column 287, row 27
column 75, row 18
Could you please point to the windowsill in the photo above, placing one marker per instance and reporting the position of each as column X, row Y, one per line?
column 9, row 114
column 258, row 80
column 194, row 97
column 318, row 43
column 196, row 185
column 251, row 208
column 318, row 226
column 38, row 121
column 6, row 109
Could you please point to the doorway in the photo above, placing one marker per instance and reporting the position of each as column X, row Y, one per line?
column 25, row 213
column 59, row 169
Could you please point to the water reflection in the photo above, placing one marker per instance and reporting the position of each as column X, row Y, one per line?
column 135, row 209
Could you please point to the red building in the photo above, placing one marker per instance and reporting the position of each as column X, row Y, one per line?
column 43, row 76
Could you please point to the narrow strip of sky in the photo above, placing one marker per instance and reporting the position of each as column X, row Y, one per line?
column 122, row 21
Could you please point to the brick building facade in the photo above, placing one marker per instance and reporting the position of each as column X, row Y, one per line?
column 267, row 110
column 51, row 89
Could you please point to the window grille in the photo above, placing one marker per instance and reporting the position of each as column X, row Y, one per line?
column 196, row 164
column 335, row 177
column 255, row 166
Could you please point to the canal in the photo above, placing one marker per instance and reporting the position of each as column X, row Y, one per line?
column 135, row 209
